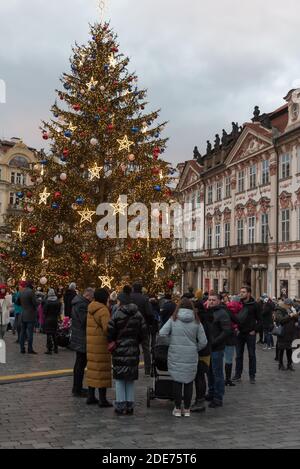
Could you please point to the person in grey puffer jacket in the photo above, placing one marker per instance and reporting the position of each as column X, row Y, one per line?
column 187, row 339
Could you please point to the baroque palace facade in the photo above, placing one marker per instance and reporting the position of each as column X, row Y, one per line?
column 245, row 192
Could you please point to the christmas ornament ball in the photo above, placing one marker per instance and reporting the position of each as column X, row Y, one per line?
column 94, row 142
column 58, row 239
column 33, row 230
column 23, row 253
column 131, row 157
column 43, row 281
column 170, row 284
column 63, row 177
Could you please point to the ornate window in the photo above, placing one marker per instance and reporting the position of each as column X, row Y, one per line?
column 227, row 187
column 218, row 236
column 19, row 162
column 252, row 177
column 285, row 224
column 209, row 194
column 219, row 191
column 240, row 232
column 251, row 230
column 265, row 173
column 209, row 237
column 285, row 166
column 264, row 228
column 241, row 181
column 227, row 234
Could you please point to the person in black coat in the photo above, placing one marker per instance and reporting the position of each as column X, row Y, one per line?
column 127, row 329
column 143, row 305
column 52, row 309
column 267, row 322
column 68, row 298
column 167, row 309
column 287, row 318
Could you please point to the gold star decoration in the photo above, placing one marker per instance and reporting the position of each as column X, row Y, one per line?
column 95, row 171
column 119, row 207
column 72, row 127
column 159, row 262
column 125, row 144
column 86, row 215
column 44, row 196
column 112, row 61
column 19, row 232
column 106, row 281
column 91, row 83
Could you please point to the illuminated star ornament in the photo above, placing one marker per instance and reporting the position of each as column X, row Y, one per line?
column 92, row 84
column 86, row 215
column 44, row 196
column 19, row 232
column 106, row 281
column 125, row 144
column 119, row 207
column 72, row 127
column 159, row 262
column 112, row 61
column 95, row 171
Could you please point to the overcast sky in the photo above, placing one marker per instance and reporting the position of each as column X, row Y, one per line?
column 205, row 62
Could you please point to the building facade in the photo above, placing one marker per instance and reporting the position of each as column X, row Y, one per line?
column 251, row 185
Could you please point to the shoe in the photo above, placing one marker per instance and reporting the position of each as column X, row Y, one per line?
column 229, row 382
column 91, row 401
column 281, row 367
column 56, row 351
column 23, row 351
column 252, row 380
column 48, row 352
column 198, row 406
column 32, row 352
column 215, row 404
column 290, row 367
column 129, row 411
column 273, row 346
column 269, row 348
column 176, row 412
column 120, row 412
column 265, row 348
column 105, row 404
column 82, row 393
column 186, row 413
column 237, row 379
column 209, row 398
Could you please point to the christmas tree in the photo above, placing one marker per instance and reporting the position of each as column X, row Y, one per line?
column 103, row 145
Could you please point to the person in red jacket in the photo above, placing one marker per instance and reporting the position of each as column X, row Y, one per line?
column 234, row 307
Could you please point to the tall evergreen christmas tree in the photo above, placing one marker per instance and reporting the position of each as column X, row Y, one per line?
column 103, row 145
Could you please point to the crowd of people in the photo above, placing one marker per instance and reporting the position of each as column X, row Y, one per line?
column 205, row 333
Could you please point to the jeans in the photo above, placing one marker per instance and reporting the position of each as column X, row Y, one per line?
column 242, row 340
column 79, row 367
column 216, row 385
column 268, row 338
column 187, row 394
column 124, row 391
column 52, row 341
column 200, row 381
column 229, row 352
column 27, row 327
column 147, row 355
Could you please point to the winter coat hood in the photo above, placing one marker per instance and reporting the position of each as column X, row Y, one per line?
column 95, row 306
column 130, row 309
column 186, row 315
column 79, row 299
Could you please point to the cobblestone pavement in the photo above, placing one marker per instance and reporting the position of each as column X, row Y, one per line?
column 43, row 414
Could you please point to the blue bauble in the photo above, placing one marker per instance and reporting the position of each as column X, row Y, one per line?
column 63, row 159
column 68, row 133
column 67, row 86
column 157, row 188
column 157, row 135
column 162, row 150
column 79, row 200
column 97, row 118
column 74, row 68
column 134, row 130
column 55, row 115
column 23, row 253
column 20, row 195
column 106, row 67
column 44, row 162
column 55, row 205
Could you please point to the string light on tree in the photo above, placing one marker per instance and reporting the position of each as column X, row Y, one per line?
column 19, row 232
column 106, row 281
column 86, row 215
column 43, row 251
column 112, row 61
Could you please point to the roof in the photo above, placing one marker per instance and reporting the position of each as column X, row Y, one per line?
column 257, row 127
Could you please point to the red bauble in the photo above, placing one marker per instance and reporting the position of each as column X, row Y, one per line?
column 115, row 49
column 104, row 109
column 155, row 156
column 137, row 256
column 29, row 194
column 33, row 230
column 156, row 150
column 110, row 127
column 155, row 170
column 45, row 136
column 57, row 195
column 66, row 152
column 2, row 255
column 76, row 107
column 61, row 97
column 170, row 284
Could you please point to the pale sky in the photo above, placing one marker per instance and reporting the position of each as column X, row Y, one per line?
column 205, row 63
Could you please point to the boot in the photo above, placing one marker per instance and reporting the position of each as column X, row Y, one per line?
column 91, row 397
column 198, row 406
column 120, row 408
column 103, row 402
column 281, row 367
column 228, row 370
column 290, row 367
column 129, row 408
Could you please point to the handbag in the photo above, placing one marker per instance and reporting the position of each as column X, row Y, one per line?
column 111, row 347
column 278, row 330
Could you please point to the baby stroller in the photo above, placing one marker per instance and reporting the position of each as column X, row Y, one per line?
column 64, row 332
column 162, row 382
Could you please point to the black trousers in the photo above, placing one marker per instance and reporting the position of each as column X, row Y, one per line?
column 79, row 367
column 51, row 341
column 200, row 380
column 289, row 353
column 187, row 394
